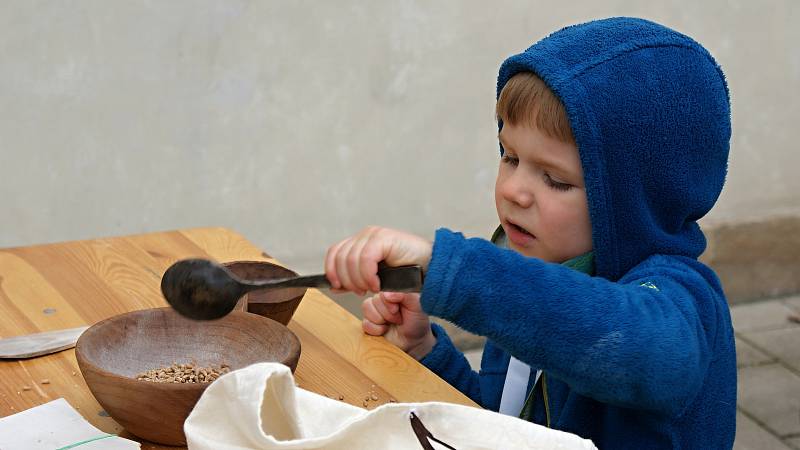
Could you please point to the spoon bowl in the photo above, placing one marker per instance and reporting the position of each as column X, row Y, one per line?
column 201, row 289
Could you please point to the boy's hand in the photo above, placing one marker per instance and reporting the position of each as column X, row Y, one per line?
column 352, row 264
column 399, row 317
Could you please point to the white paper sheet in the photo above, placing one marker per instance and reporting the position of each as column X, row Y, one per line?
column 56, row 425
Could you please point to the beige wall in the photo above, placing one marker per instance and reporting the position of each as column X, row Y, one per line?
column 297, row 123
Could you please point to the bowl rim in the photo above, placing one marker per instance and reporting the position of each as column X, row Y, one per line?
column 83, row 360
column 301, row 291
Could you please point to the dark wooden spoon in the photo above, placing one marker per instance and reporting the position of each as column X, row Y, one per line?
column 204, row 290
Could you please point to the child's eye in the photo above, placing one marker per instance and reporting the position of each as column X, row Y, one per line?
column 509, row 159
column 556, row 184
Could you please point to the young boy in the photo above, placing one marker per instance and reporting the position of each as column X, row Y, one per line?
column 600, row 321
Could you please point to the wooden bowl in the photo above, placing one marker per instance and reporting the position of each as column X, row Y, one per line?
column 277, row 304
column 113, row 352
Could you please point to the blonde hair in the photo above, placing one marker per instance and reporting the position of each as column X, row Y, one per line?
column 526, row 100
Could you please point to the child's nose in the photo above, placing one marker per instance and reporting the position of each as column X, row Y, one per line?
column 517, row 189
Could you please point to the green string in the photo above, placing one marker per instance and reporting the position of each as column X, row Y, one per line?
column 87, row 441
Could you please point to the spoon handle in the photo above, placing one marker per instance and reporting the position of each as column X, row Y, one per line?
column 311, row 281
column 393, row 279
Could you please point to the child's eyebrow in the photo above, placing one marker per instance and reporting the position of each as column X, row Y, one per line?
column 504, row 144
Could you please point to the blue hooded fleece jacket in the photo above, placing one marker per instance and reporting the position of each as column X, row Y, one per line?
column 641, row 355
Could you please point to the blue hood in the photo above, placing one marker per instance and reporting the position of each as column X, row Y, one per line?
column 650, row 112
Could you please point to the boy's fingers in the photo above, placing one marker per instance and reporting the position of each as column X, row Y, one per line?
column 373, row 329
column 370, row 257
column 371, row 313
column 330, row 266
column 409, row 301
column 354, row 261
column 389, row 311
column 340, row 261
column 393, row 301
column 393, row 297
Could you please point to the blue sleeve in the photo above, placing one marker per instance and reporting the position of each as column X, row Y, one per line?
column 449, row 363
column 642, row 342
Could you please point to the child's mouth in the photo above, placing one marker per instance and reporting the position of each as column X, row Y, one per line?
column 519, row 235
column 520, row 229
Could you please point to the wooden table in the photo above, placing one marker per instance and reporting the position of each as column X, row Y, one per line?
column 51, row 287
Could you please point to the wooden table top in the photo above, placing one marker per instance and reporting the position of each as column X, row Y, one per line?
column 66, row 285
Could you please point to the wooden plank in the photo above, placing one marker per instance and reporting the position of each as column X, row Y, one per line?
column 84, row 274
column 334, row 377
column 30, row 301
column 56, row 286
column 400, row 375
column 226, row 245
column 48, row 378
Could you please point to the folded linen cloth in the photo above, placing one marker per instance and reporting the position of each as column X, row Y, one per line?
column 259, row 407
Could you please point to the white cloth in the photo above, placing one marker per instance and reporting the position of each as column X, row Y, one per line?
column 56, row 425
column 516, row 386
column 259, row 407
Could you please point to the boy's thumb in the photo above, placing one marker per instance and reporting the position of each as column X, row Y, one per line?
column 394, row 297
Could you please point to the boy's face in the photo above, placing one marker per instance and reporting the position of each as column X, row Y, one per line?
column 540, row 195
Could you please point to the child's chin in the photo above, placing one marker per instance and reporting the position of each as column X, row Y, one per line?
column 533, row 253
column 525, row 251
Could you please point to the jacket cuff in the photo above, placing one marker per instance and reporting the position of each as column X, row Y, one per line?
column 440, row 356
column 446, row 259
